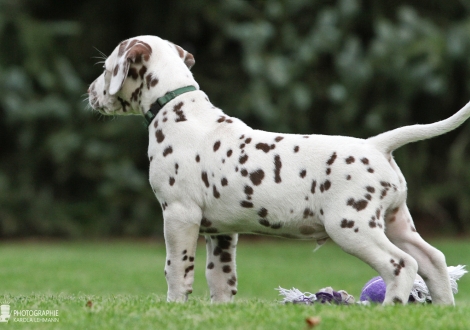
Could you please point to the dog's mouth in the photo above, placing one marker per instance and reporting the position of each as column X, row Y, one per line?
column 112, row 107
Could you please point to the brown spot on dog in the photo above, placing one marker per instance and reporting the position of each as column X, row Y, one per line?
column 225, row 257
column 277, row 169
column 264, row 222
column 350, row 160
column 179, row 113
column 276, row 226
column 172, row 181
column 132, row 73
column 217, row 251
column 365, row 161
column 168, row 262
column 243, row 172
column 264, row 146
column 359, row 205
column 215, row 192
column 370, row 189
column 159, row 135
column 142, row 71
column 370, row 170
column 296, row 149
column 246, row 204
column 198, row 158
column 152, row 82
column 383, row 193
column 247, row 141
column 263, row 212
column 377, row 213
column 314, row 185
column 243, row 159
column 325, row 186
column 205, row 179
column 216, row 146
column 221, row 119
column 224, row 182
column 368, row 197
column 210, row 265
column 205, row 222
column 278, row 138
column 256, row 177
column 229, row 153
column 328, row 171
column 332, row 159
column 168, row 150
column 232, row 281
column 242, row 137
column 347, row 223
column 303, row 173
column 308, row 212
column 348, row 177
column 226, row 269
column 248, row 190
column 224, row 241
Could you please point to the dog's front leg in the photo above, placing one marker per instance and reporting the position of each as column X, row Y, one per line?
column 181, row 227
column 221, row 268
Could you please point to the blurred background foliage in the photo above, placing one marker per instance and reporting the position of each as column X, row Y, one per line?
column 344, row 67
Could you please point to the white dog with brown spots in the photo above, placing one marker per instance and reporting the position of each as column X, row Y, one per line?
column 214, row 175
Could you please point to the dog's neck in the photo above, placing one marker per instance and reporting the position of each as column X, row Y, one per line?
column 162, row 101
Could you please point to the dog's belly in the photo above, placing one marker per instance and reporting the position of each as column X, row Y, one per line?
column 304, row 225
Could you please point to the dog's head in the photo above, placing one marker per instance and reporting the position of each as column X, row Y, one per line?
column 139, row 71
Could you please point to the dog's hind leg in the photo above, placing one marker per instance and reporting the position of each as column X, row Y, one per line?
column 431, row 262
column 365, row 239
column 181, row 228
column 220, row 267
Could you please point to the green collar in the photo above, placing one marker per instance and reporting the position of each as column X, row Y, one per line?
column 160, row 103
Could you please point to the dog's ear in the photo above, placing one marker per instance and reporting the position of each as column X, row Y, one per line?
column 129, row 52
column 187, row 57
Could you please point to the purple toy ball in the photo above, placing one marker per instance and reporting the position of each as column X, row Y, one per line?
column 374, row 290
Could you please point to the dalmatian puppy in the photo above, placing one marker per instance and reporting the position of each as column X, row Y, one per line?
column 215, row 176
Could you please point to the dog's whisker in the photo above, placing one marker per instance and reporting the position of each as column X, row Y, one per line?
column 103, row 55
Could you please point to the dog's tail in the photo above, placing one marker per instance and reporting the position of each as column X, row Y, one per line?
column 394, row 139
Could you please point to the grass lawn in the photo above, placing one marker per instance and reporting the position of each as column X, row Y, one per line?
column 120, row 285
